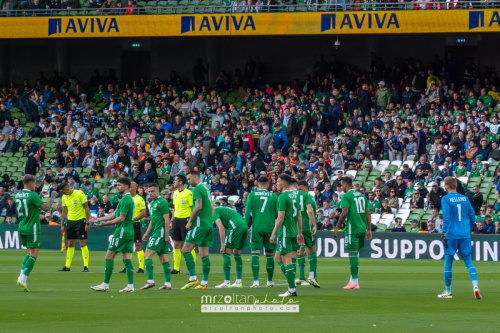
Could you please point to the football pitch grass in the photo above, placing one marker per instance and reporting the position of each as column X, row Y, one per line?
column 395, row 295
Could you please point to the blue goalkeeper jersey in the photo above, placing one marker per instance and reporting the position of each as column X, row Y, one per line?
column 458, row 216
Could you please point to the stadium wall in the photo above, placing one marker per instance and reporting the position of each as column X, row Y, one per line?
column 383, row 245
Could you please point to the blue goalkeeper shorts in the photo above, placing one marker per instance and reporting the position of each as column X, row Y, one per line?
column 463, row 245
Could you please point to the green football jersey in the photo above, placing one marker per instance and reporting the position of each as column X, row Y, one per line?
column 28, row 208
column 231, row 219
column 374, row 205
column 205, row 217
column 356, row 203
column 306, row 199
column 263, row 207
column 288, row 202
column 157, row 208
column 125, row 229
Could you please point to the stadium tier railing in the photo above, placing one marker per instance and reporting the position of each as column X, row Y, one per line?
column 217, row 7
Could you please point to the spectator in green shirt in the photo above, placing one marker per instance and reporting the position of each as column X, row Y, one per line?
column 414, row 226
column 373, row 204
column 487, row 99
column 474, row 172
column 484, row 172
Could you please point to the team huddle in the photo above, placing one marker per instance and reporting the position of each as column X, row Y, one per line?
column 284, row 226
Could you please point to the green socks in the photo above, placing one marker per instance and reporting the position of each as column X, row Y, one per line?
column 354, row 263
column 28, row 266
column 149, row 268
column 302, row 266
column 226, row 266
column 108, row 270
column 290, row 276
column 255, row 266
column 25, row 261
column 313, row 262
column 239, row 266
column 269, row 267
column 294, row 263
column 188, row 257
column 205, row 266
column 282, row 266
column 166, row 271
column 130, row 270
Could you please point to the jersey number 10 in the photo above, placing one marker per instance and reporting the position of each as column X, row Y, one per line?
column 360, row 205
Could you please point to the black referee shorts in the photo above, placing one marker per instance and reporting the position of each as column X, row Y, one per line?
column 137, row 232
column 179, row 231
column 76, row 229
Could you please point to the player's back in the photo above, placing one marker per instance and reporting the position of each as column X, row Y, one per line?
column 356, row 203
column 288, row 202
column 125, row 229
column 157, row 208
column 230, row 219
column 28, row 203
column 205, row 217
column 458, row 216
column 263, row 207
column 140, row 204
column 304, row 200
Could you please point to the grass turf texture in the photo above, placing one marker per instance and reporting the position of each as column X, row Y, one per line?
column 395, row 295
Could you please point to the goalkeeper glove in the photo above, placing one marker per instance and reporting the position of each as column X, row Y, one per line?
column 444, row 240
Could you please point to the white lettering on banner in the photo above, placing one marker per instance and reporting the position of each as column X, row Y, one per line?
column 329, row 242
column 12, row 240
column 406, row 248
column 420, row 248
column 432, row 253
column 395, row 248
column 377, row 251
column 1, row 244
column 490, row 251
column 318, row 245
column 478, row 251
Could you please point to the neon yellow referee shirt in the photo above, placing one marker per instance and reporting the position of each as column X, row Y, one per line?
column 183, row 203
column 140, row 204
column 74, row 203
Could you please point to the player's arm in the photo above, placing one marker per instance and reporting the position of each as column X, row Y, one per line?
column 148, row 232
column 111, row 221
column 277, row 225
column 222, row 234
column 341, row 221
column 300, row 237
column 196, row 211
column 166, row 217
column 64, row 214
column 46, row 206
column 312, row 220
column 445, row 205
column 368, row 224
column 248, row 210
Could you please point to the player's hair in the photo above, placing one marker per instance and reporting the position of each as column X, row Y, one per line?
column 63, row 186
column 263, row 180
column 347, row 180
column 302, row 183
column 451, row 183
column 194, row 173
column 125, row 181
column 28, row 179
column 182, row 178
column 154, row 185
column 286, row 178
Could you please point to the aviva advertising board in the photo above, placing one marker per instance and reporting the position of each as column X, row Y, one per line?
column 383, row 22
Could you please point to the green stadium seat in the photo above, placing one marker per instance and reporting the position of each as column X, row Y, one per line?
column 162, row 4
column 151, row 4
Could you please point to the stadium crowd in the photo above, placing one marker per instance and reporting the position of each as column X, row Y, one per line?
column 397, row 130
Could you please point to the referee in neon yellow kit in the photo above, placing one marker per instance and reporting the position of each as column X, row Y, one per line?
column 183, row 209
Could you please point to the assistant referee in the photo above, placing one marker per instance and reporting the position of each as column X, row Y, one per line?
column 183, row 209
column 76, row 209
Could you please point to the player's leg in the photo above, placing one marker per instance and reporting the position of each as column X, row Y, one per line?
column 27, row 267
column 70, row 253
column 465, row 248
column 177, row 256
column 313, row 263
column 226, row 268
column 109, row 266
column 353, row 243
column 85, row 254
column 166, row 270
column 301, row 262
column 255, row 247
column 290, row 275
column 239, row 268
column 449, row 254
column 148, row 256
column 269, row 250
column 138, row 247
column 188, row 258
column 279, row 260
column 238, row 242
column 205, row 266
column 126, row 255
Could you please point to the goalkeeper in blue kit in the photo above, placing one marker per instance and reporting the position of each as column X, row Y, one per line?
column 458, row 220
